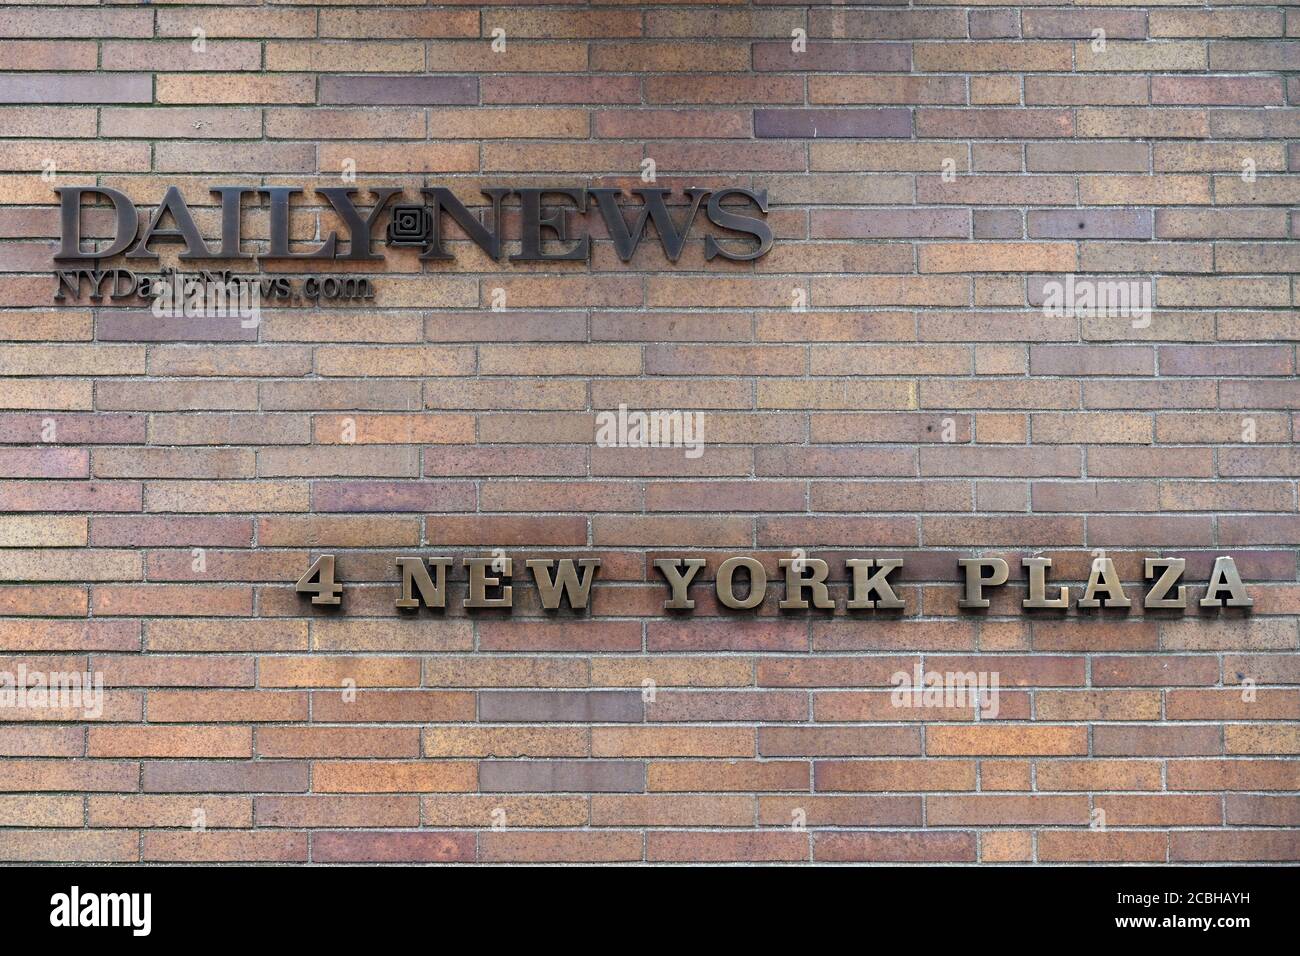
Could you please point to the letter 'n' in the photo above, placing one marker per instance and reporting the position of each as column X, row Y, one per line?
column 415, row 573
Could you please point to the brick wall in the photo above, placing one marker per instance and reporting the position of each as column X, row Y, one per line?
column 884, row 381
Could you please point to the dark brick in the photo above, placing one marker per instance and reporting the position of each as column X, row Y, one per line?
column 599, row 706
column 559, row 776
column 815, row 124
column 365, row 90
column 76, row 88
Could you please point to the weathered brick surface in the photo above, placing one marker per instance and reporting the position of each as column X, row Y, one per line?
column 887, row 377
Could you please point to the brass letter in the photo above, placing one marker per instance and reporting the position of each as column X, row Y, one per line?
column 280, row 210
column 757, row 583
column 480, row 581
column 567, row 576
column 1224, row 577
column 431, row 594
column 627, row 238
column 755, row 227
column 125, row 218
column 679, row 582
column 976, row 582
column 865, row 585
column 231, row 200
column 535, row 218
column 360, row 228
column 1103, row 577
column 1038, row 586
column 444, row 200
column 795, row 583
column 1173, row 571
column 185, row 231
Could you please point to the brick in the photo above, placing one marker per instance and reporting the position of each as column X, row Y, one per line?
column 564, row 847
column 837, row 742
column 728, row 706
column 727, row 776
column 1158, row 189
column 841, row 810
column 74, row 88
column 1057, row 740
column 174, row 463
column 105, row 846
column 672, row 810
column 393, row 776
column 40, row 742
column 232, row 496
column 225, row 846
column 1074, row 25
column 1209, row 845
column 834, row 57
column 150, row 599
column 197, row 122
column 377, row 635
column 170, row 742
column 1009, row 846
column 395, row 706
column 859, row 123
column 885, row 379
column 989, row 257
column 880, row 224
column 754, row 847
column 561, row 706
column 1136, row 740
column 1060, row 90
column 999, row 810
column 225, row 705
column 989, row 55
column 1216, row 90
column 1265, row 55
column 205, row 777
column 20, row 635
column 684, row 741
column 904, row 847
column 1259, row 810
column 679, row 123
column 247, row 157
column 17, row 531
column 1127, row 122
column 507, row 741
column 232, row 88
column 1063, row 846
column 905, row 775
column 52, row 54
column 157, row 811
column 596, row 776
column 995, row 123
column 880, row 89
column 464, row 810
column 353, row 846
column 665, row 671
column 124, row 531
column 1233, row 775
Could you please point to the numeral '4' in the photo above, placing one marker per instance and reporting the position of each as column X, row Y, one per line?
column 324, row 590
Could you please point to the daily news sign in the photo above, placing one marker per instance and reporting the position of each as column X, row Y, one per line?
column 544, row 215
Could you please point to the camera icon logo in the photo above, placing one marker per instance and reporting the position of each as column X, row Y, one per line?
column 411, row 225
